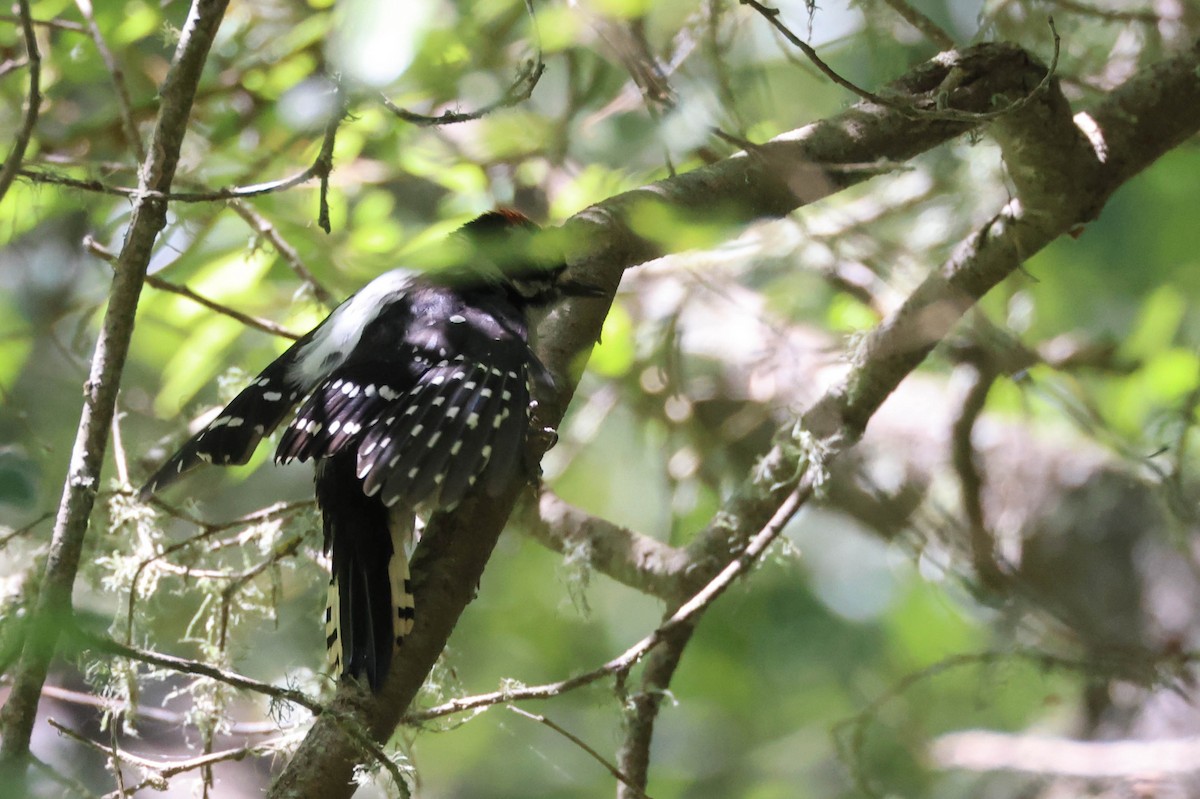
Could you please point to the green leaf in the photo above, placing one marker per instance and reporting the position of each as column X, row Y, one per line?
column 1158, row 321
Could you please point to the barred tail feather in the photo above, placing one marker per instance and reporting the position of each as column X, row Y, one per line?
column 401, row 524
column 370, row 606
column 333, row 625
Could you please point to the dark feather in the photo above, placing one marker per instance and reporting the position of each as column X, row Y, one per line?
column 232, row 437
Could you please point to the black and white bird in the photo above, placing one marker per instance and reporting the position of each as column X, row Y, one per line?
column 414, row 391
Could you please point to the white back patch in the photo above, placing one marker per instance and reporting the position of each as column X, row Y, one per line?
column 339, row 334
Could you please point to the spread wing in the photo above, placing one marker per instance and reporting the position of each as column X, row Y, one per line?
column 254, row 413
column 424, row 425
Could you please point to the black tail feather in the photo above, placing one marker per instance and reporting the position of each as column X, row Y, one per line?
column 370, row 604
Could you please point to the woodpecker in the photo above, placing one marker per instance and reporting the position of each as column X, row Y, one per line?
column 412, row 392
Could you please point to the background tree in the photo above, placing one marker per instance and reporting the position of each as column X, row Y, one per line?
column 1007, row 547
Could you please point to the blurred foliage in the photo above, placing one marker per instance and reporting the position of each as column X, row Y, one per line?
column 819, row 631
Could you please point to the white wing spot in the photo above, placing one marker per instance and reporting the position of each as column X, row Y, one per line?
column 438, row 401
column 433, row 439
column 272, row 396
column 473, row 420
column 387, row 393
column 334, row 425
column 455, row 447
column 413, row 472
column 452, row 413
column 486, row 452
column 369, row 390
column 458, row 319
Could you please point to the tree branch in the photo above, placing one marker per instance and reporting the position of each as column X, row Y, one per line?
column 628, row 557
column 776, row 178
column 33, row 103
column 1057, row 192
column 124, row 105
column 100, row 392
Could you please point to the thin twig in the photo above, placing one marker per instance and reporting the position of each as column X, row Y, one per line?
column 52, row 24
column 17, row 532
column 613, row 770
column 347, row 723
column 970, row 479
column 952, row 114
column 265, row 325
column 772, row 16
column 320, row 168
column 233, row 192
column 12, row 164
column 323, row 166
column 630, row 657
column 118, row 444
column 266, row 514
column 640, row 708
column 520, row 90
column 160, row 769
column 261, row 515
column 124, row 105
column 158, row 659
column 919, row 20
column 258, row 323
column 12, row 65
column 155, row 714
column 114, row 756
column 263, row 227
